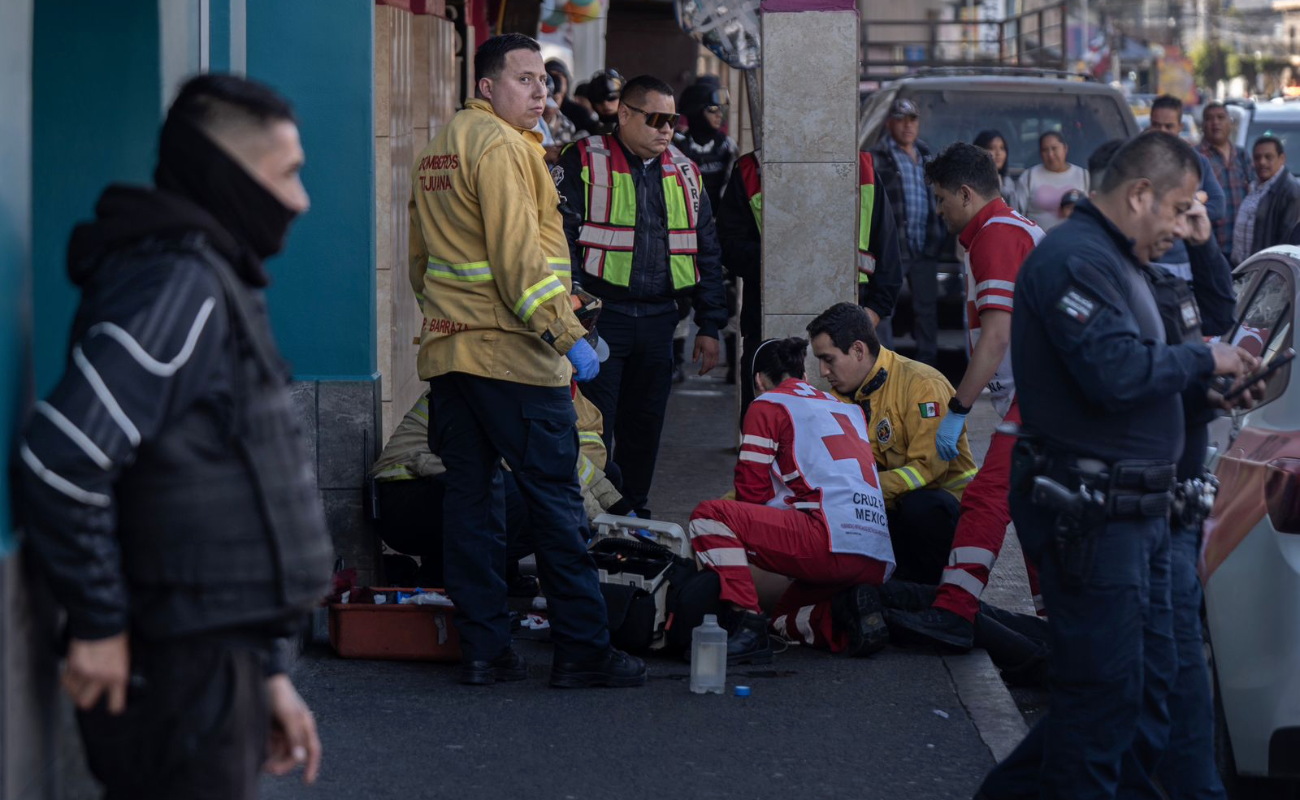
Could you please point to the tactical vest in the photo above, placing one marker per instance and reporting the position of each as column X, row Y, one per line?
column 1177, row 304
column 609, row 231
column 752, row 177
column 219, row 520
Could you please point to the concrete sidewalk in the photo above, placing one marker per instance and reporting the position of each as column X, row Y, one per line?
column 892, row 726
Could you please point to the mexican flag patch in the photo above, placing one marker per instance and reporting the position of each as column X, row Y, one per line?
column 929, row 410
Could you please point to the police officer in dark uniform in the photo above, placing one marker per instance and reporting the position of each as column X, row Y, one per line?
column 163, row 482
column 1093, row 476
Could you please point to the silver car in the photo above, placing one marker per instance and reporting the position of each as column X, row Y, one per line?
column 1251, row 556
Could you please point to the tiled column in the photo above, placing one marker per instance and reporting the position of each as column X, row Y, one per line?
column 809, row 161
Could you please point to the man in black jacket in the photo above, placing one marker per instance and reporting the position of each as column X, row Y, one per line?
column 900, row 158
column 641, row 235
column 1271, row 210
column 163, row 483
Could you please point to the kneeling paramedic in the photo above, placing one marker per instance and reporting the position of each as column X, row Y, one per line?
column 902, row 399
column 491, row 266
column 1093, row 474
column 808, row 506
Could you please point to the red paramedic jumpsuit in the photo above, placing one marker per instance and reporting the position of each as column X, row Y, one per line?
column 997, row 241
column 808, row 506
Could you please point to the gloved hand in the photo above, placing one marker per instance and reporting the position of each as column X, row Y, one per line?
column 586, row 364
column 945, row 441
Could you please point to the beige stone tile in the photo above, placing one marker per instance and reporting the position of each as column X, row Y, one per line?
column 384, row 16
column 809, row 236
column 810, row 86
column 385, row 193
column 419, row 71
column 384, row 328
column 401, row 67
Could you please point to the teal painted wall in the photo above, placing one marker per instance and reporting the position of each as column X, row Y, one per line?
column 95, row 118
column 15, row 237
column 322, row 297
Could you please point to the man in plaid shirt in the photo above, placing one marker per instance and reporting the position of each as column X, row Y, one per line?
column 1231, row 165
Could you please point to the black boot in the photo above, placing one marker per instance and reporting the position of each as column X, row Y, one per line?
column 907, row 596
column 509, row 666
column 748, row 642
column 615, row 668
column 932, row 626
column 1022, row 658
column 859, row 613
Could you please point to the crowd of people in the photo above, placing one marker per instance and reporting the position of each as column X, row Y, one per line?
column 867, row 497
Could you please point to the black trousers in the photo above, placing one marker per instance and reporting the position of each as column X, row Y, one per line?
column 477, row 422
column 923, row 279
column 631, row 392
column 195, row 726
column 921, row 527
column 410, row 522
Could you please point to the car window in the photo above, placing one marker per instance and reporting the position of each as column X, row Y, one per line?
column 1265, row 327
column 1288, row 132
column 1085, row 121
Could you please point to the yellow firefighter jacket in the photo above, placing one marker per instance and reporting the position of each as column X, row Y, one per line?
column 904, row 416
column 489, row 261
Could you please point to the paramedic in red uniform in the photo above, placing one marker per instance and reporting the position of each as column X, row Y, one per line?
column 808, row 505
column 996, row 240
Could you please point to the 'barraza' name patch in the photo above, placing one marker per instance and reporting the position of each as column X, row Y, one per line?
column 1076, row 305
column 929, row 410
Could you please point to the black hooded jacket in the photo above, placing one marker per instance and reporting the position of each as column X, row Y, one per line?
column 151, row 343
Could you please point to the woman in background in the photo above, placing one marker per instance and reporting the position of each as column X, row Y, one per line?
column 994, row 142
column 1041, row 187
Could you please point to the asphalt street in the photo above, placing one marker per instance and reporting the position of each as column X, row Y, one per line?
column 891, row 726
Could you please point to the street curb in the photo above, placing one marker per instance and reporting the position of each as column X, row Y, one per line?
column 987, row 701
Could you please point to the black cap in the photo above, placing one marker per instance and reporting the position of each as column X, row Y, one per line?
column 902, row 107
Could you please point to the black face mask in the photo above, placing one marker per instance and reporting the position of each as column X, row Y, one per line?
column 191, row 164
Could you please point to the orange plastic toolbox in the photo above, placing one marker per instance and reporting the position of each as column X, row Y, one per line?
column 394, row 632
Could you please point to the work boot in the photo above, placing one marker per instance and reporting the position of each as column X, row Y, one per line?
column 859, row 613
column 932, row 626
column 748, row 642
column 615, row 668
column 509, row 666
column 1022, row 659
column 906, row 595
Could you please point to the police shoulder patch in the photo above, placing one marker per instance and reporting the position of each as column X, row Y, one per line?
column 557, row 174
column 1077, row 304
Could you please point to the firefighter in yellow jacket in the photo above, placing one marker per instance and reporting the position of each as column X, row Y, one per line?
column 490, row 266
column 904, row 401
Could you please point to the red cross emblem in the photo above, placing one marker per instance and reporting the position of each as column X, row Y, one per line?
column 849, row 445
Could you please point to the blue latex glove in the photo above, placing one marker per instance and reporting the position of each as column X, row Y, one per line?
column 586, row 364
column 945, row 441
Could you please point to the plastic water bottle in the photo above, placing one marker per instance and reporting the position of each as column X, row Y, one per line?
column 709, row 657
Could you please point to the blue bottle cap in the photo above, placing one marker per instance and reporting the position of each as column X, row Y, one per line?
column 742, row 691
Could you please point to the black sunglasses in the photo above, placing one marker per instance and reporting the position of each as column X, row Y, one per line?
column 657, row 119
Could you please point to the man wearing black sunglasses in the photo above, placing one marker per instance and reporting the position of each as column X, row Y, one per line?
column 641, row 235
